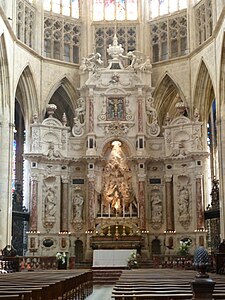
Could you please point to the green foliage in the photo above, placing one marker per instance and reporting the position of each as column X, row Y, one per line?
column 132, row 261
column 61, row 256
column 184, row 247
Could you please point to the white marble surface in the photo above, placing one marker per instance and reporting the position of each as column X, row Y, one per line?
column 112, row 258
column 101, row 292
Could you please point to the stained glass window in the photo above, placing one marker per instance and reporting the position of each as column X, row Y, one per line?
column 115, row 10
column 162, row 7
column 65, row 7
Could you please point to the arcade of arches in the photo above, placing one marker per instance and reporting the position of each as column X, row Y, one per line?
column 112, row 133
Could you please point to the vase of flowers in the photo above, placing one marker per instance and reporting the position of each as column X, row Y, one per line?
column 61, row 260
column 184, row 247
column 132, row 261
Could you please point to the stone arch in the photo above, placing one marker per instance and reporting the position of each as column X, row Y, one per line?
column 4, row 77
column 26, row 94
column 63, row 95
column 165, row 97
column 204, row 92
column 129, row 148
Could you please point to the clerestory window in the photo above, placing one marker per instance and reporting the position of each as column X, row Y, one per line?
column 68, row 8
column 163, row 7
column 120, row 10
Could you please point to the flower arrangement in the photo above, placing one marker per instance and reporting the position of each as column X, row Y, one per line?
column 61, row 256
column 184, row 246
column 132, row 261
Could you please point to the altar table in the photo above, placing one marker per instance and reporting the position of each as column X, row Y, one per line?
column 111, row 258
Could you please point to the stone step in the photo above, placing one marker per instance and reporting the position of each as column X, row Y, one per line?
column 145, row 263
column 106, row 276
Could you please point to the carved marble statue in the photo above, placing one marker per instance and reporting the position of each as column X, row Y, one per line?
column 156, row 209
column 184, row 207
column 117, row 194
column 50, row 204
column 78, row 202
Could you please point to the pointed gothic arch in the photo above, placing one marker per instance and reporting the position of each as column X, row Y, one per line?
column 63, row 95
column 204, row 92
column 4, row 76
column 26, row 94
column 165, row 97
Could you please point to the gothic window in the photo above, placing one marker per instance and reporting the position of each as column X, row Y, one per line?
column 61, row 39
column 104, row 37
column 203, row 25
column 115, row 109
column 25, row 18
column 169, row 37
column 162, row 7
column 68, row 8
column 115, row 10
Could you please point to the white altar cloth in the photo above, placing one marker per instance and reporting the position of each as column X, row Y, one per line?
column 111, row 258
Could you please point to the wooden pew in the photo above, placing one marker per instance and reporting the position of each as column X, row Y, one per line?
column 47, row 285
column 158, row 284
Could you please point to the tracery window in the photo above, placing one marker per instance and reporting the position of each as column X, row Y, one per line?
column 169, row 37
column 61, row 39
column 25, row 19
column 115, row 10
column 64, row 7
column 204, row 24
column 162, row 7
column 104, row 37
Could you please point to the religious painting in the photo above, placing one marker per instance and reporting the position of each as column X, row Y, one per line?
column 115, row 109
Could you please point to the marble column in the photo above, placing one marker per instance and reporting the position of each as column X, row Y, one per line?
column 91, row 203
column 64, row 205
column 33, row 202
column 142, row 210
column 140, row 116
column 91, row 114
column 199, row 204
column 169, row 204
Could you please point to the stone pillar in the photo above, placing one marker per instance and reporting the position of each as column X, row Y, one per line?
column 202, row 288
column 140, row 116
column 33, row 202
column 169, row 204
column 199, row 204
column 142, row 210
column 91, row 114
column 64, row 205
column 91, row 203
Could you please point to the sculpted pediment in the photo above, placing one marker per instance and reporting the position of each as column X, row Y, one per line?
column 180, row 120
column 53, row 122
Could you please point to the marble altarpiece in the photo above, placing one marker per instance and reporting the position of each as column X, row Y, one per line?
column 116, row 178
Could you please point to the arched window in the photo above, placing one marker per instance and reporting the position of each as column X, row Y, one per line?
column 162, row 7
column 64, row 7
column 115, row 10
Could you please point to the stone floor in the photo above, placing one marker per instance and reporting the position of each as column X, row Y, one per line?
column 101, row 292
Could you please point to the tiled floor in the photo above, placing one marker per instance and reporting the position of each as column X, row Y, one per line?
column 101, row 292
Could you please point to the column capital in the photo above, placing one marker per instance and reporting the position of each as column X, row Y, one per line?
column 34, row 177
column 168, row 178
column 65, row 179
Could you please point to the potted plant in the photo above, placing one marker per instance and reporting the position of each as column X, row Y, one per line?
column 61, row 260
column 132, row 261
